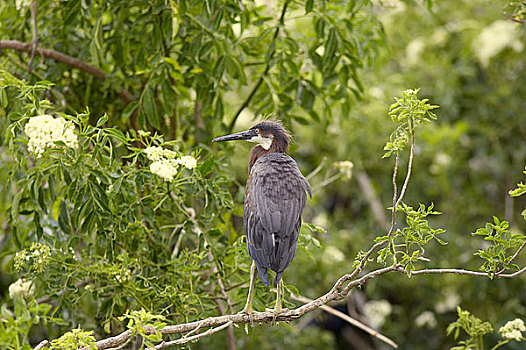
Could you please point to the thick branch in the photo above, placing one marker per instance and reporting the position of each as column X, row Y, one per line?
column 221, row 322
column 60, row 57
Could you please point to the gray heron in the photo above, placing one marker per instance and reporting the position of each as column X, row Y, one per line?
column 275, row 196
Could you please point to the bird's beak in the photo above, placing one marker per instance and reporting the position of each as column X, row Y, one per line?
column 244, row 135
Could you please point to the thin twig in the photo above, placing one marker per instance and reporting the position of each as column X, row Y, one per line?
column 513, row 257
column 377, row 245
column 516, row 20
column 81, row 284
column 194, row 337
column 326, row 182
column 192, row 331
column 350, row 320
column 459, row 272
column 265, row 72
column 396, row 202
column 317, row 170
column 34, row 11
column 43, row 344
column 367, row 188
column 408, row 175
column 395, row 194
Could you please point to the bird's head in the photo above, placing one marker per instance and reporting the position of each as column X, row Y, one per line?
column 270, row 135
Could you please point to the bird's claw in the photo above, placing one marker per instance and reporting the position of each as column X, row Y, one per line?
column 250, row 313
column 276, row 312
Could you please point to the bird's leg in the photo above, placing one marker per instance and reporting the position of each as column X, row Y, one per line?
column 248, row 306
column 277, row 308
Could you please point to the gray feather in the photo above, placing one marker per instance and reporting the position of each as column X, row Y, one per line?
column 275, row 199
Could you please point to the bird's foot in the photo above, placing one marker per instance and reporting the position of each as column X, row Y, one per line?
column 276, row 311
column 248, row 311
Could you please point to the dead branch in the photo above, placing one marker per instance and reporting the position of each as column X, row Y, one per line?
column 350, row 320
column 63, row 58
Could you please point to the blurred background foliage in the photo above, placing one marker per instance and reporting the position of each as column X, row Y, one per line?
column 191, row 70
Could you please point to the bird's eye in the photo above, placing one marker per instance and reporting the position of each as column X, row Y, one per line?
column 257, row 131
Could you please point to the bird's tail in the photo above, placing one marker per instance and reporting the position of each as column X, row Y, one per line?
column 263, row 274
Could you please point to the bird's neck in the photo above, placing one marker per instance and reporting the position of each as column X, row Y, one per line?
column 258, row 152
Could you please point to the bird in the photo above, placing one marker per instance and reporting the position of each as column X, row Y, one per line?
column 275, row 196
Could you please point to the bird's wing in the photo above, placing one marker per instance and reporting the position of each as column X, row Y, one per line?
column 276, row 197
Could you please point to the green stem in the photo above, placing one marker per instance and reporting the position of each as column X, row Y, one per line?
column 500, row 343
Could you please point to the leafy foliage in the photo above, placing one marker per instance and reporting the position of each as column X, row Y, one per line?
column 116, row 237
column 502, row 240
column 519, row 191
column 409, row 112
column 139, row 320
column 406, row 245
column 476, row 329
column 473, row 326
column 98, row 214
column 74, row 339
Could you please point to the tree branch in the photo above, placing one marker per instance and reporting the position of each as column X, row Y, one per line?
column 221, row 322
column 34, row 11
column 337, row 292
column 370, row 195
column 184, row 340
column 396, row 202
column 350, row 320
column 459, row 272
column 516, row 20
column 265, row 72
column 63, row 58
column 513, row 257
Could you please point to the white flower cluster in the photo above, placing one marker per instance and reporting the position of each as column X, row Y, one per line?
column 345, row 168
column 123, row 277
column 165, row 162
column 377, row 311
column 36, row 258
column 158, row 153
column 21, row 288
column 513, row 330
column 427, row 319
column 495, row 38
column 188, row 162
column 44, row 130
column 164, row 169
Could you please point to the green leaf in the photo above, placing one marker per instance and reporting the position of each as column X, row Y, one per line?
column 130, row 108
column 149, row 108
column 117, row 134
column 3, row 98
column 63, row 218
column 308, row 6
column 102, row 120
column 176, row 19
